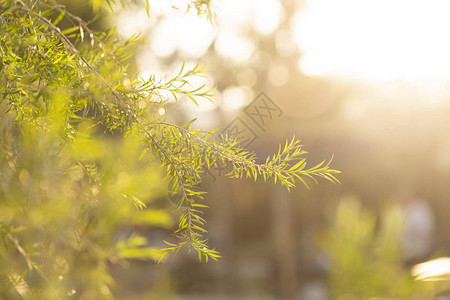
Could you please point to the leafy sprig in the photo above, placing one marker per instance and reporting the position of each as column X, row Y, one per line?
column 82, row 74
column 188, row 153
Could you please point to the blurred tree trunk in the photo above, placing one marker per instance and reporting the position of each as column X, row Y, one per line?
column 284, row 244
column 222, row 230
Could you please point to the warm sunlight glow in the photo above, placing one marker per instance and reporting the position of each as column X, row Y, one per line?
column 375, row 40
column 234, row 97
column 188, row 34
column 278, row 75
column 263, row 16
column 234, row 46
column 436, row 269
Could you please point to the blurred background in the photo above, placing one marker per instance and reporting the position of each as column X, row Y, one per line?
column 365, row 81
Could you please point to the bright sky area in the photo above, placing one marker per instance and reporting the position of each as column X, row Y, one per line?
column 362, row 40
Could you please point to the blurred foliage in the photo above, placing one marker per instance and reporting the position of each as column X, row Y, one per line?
column 84, row 151
column 365, row 255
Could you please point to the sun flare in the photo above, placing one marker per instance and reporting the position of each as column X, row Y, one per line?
column 375, row 40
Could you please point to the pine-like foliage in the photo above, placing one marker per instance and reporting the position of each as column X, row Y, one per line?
column 83, row 150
